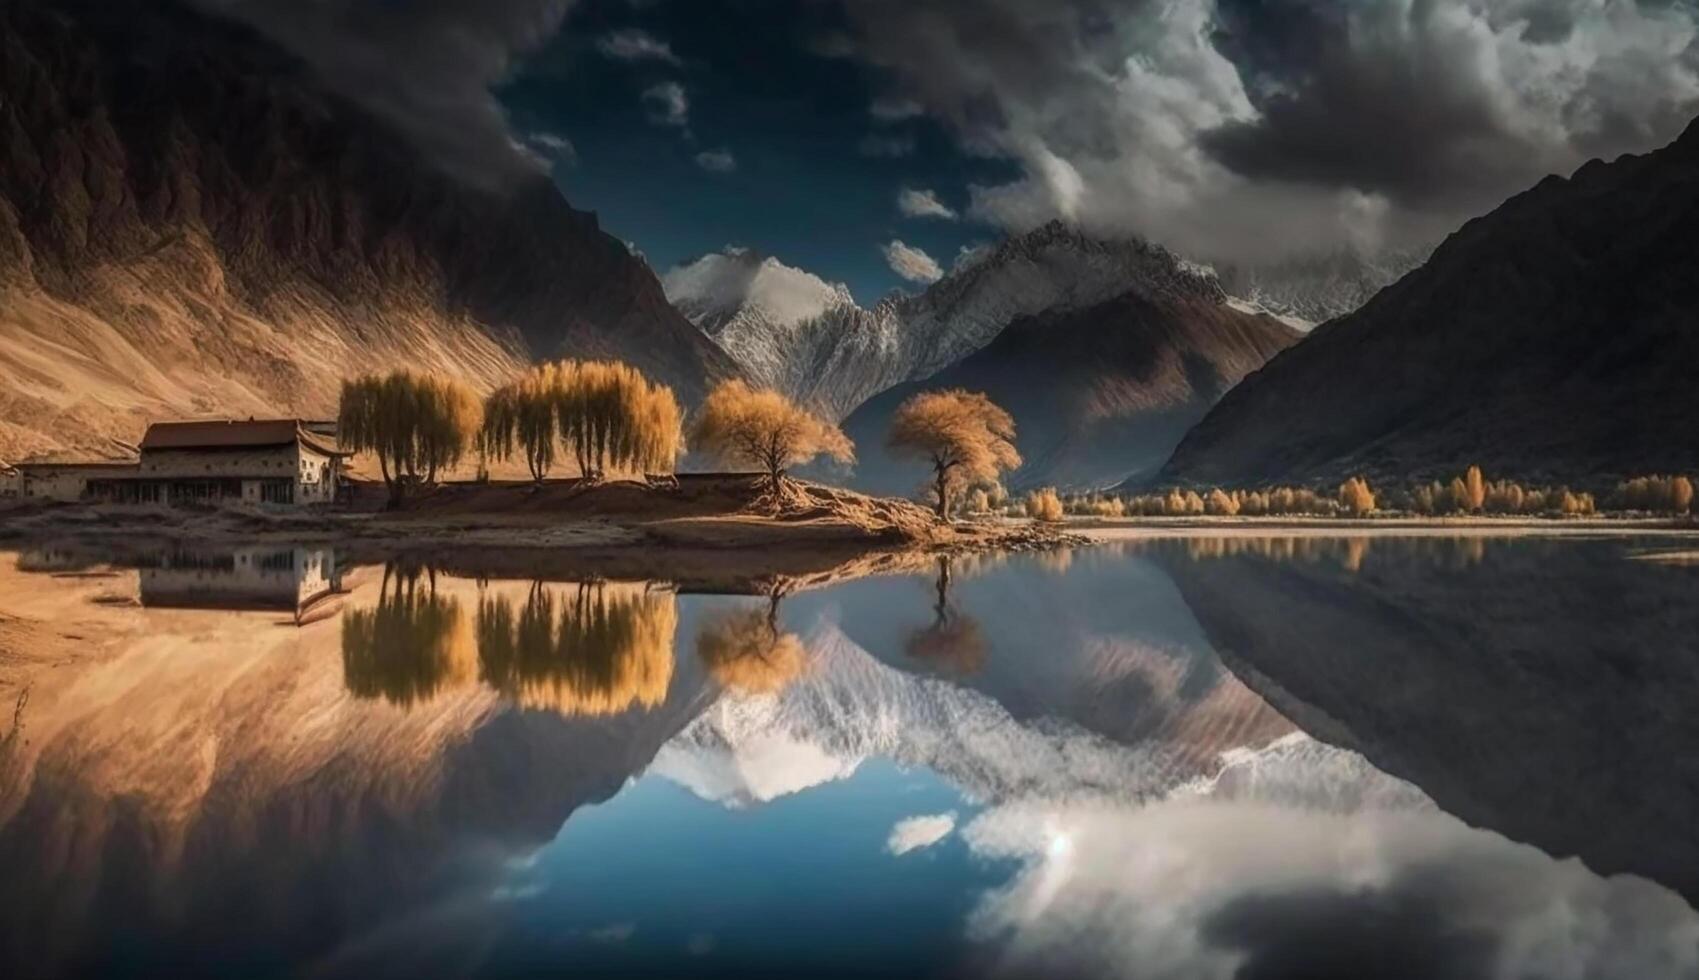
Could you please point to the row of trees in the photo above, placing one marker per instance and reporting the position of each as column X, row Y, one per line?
column 606, row 414
column 1470, row 492
column 609, row 417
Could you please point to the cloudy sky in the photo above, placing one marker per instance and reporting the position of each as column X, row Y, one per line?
column 872, row 140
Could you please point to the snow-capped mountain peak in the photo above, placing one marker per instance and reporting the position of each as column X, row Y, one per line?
column 720, row 285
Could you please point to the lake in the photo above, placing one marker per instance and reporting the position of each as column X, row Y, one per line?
column 1203, row 757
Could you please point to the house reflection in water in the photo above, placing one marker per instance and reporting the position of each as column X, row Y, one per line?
column 300, row 581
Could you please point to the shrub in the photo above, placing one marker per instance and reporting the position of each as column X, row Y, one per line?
column 1044, row 505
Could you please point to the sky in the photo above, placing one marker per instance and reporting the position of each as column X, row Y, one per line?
column 870, row 141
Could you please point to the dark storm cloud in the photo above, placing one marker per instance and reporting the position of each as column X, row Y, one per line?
column 1405, row 101
column 426, row 66
column 1404, row 931
column 1229, row 126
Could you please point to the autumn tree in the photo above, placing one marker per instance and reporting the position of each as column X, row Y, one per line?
column 1474, row 491
column 415, row 424
column 607, row 414
column 1356, row 497
column 966, row 439
column 740, row 425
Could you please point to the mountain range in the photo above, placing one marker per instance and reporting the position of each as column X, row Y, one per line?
column 1105, row 351
column 1551, row 339
column 191, row 224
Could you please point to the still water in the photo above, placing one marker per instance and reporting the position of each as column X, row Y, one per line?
column 1210, row 758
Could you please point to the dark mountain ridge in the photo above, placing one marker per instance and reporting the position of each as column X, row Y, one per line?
column 1553, row 338
column 189, row 223
column 1100, row 394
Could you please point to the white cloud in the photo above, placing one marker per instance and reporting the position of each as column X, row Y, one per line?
column 969, row 255
column 1214, row 126
column 636, row 45
column 911, row 263
column 918, row 832
column 718, row 161
column 923, row 203
column 668, row 104
column 553, row 147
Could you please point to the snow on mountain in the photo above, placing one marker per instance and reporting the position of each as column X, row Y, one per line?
column 851, row 707
column 1311, row 290
column 793, row 331
column 781, row 324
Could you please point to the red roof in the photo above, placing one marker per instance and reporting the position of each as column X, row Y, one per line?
column 228, row 434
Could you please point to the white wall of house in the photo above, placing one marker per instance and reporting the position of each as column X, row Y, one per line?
column 62, row 482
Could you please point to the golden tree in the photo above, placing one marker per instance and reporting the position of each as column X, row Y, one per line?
column 415, row 424
column 1474, row 490
column 1356, row 497
column 761, row 427
column 608, row 414
column 966, row 439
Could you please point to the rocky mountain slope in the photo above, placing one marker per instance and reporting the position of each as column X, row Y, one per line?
column 1311, row 290
column 1101, row 393
column 809, row 339
column 190, row 224
column 1553, row 338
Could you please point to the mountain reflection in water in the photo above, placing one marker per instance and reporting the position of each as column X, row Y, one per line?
column 1193, row 758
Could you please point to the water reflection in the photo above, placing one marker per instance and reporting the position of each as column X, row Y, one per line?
column 953, row 643
column 747, row 651
column 582, row 649
column 1280, row 757
column 411, row 645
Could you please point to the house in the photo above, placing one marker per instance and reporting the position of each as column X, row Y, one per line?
column 264, row 461
column 11, row 481
column 68, row 481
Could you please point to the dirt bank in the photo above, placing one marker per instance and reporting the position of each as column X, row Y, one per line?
column 703, row 514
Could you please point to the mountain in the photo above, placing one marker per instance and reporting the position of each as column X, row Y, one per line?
column 816, row 345
column 786, row 328
column 191, row 224
column 1100, row 391
column 1551, row 339
column 1309, row 290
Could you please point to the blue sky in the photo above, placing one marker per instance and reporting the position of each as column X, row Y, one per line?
column 816, row 176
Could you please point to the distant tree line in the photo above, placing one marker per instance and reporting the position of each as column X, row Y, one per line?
column 1468, row 493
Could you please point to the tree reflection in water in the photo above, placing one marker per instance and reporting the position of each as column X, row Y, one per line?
column 411, row 645
column 745, row 651
column 577, row 649
column 953, row 643
column 584, row 649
